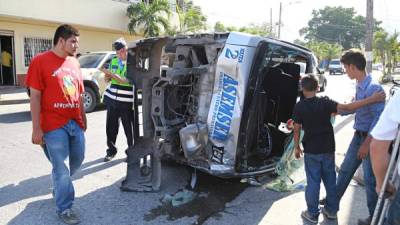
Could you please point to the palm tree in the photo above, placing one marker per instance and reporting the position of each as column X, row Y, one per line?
column 380, row 44
column 150, row 18
column 191, row 19
column 391, row 51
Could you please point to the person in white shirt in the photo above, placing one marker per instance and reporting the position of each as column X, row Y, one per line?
column 383, row 134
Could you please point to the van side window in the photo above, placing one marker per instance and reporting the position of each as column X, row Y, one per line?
column 277, row 55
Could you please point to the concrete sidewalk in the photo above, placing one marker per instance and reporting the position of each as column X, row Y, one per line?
column 10, row 95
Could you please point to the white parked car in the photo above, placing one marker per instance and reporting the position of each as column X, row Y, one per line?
column 93, row 78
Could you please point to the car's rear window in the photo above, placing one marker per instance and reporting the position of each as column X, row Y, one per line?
column 91, row 60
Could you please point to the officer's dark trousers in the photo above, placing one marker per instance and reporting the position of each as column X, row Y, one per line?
column 114, row 114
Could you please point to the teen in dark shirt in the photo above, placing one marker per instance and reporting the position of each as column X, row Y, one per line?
column 313, row 115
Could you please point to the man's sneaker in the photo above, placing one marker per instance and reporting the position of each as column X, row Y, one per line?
column 312, row 219
column 69, row 217
column 109, row 157
column 331, row 216
column 366, row 221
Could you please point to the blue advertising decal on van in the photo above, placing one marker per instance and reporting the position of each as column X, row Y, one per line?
column 235, row 54
column 225, row 105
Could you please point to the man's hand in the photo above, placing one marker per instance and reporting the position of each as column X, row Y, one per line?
column 84, row 124
column 378, row 96
column 105, row 71
column 298, row 152
column 107, row 78
column 107, row 74
column 37, row 137
column 363, row 150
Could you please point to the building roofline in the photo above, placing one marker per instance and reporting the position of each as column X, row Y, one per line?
column 33, row 21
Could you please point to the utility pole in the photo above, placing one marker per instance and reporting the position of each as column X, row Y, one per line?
column 270, row 21
column 280, row 20
column 369, row 34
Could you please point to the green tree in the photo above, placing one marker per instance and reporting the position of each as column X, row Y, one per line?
column 149, row 18
column 386, row 48
column 219, row 27
column 262, row 29
column 337, row 25
column 299, row 42
column 231, row 28
column 191, row 19
column 325, row 50
column 380, row 44
column 391, row 51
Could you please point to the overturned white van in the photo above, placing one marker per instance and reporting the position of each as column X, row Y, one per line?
column 213, row 102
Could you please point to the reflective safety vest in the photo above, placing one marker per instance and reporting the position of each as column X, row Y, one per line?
column 118, row 91
column 117, row 67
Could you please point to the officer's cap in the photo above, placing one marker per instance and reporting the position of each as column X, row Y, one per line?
column 119, row 43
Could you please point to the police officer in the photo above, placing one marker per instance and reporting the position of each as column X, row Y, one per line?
column 118, row 99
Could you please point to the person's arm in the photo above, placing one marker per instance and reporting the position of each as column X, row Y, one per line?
column 378, row 96
column 83, row 113
column 379, row 160
column 375, row 110
column 37, row 132
column 109, row 75
column 364, row 148
column 296, row 138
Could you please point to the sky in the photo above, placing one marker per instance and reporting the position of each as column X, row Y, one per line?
column 295, row 13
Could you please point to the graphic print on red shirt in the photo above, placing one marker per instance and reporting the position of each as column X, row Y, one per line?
column 60, row 82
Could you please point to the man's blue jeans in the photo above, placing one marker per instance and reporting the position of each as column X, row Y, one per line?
column 349, row 167
column 394, row 211
column 320, row 166
column 61, row 144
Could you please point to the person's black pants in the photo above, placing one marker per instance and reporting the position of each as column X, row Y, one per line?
column 7, row 75
column 114, row 114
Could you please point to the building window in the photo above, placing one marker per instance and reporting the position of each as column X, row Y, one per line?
column 33, row 46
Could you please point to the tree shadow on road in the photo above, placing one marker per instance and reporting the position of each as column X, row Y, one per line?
column 42, row 185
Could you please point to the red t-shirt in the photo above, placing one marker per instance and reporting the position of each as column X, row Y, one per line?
column 60, row 82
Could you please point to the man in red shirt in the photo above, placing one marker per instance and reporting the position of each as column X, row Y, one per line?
column 58, row 116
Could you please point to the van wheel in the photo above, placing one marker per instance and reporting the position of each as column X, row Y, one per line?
column 89, row 99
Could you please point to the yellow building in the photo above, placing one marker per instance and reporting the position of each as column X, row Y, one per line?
column 27, row 28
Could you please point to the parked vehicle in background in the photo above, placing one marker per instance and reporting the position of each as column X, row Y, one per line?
column 377, row 66
column 93, row 78
column 335, row 66
column 320, row 74
column 214, row 102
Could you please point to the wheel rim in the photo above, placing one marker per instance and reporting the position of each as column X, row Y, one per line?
column 88, row 100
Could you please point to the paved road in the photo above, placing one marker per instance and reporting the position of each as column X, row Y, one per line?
column 25, row 183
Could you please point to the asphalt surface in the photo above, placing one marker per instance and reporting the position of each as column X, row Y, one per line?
column 25, row 183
